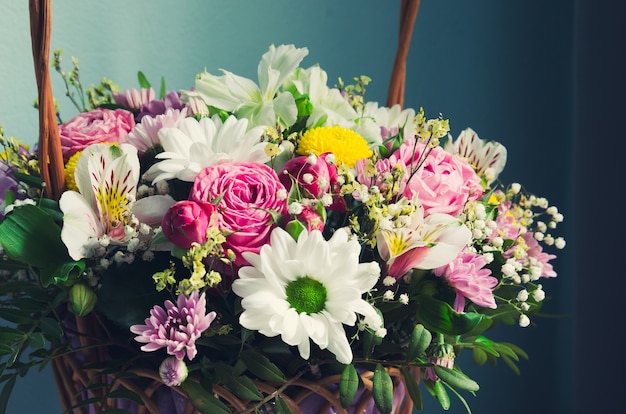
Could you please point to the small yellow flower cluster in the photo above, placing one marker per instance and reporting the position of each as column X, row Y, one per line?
column 430, row 130
column 194, row 261
column 164, row 278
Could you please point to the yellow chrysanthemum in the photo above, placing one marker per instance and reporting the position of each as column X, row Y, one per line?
column 70, row 167
column 347, row 146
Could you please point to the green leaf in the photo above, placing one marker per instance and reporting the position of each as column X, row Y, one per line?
column 382, row 390
column 281, row 406
column 51, row 329
column 15, row 316
column 442, row 395
column 36, row 340
column 143, row 81
column 456, row 378
column 203, row 400
column 162, row 91
column 30, row 235
column 420, row 340
column 241, row 386
column 412, row 387
column 6, row 393
column 479, row 356
column 125, row 394
column 438, row 316
column 348, row 385
column 262, row 367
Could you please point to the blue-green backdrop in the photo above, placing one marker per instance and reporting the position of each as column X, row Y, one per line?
column 520, row 72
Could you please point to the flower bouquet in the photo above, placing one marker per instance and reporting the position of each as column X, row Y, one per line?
column 278, row 245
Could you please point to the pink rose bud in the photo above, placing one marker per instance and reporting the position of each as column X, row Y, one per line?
column 187, row 222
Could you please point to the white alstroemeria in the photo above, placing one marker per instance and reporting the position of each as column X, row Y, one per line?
column 261, row 104
column 329, row 106
column 104, row 205
column 487, row 157
column 291, row 289
column 198, row 144
column 378, row 123
column 426, row 243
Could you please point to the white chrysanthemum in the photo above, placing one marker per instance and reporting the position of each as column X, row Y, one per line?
column 198, row 144
column 306, row 290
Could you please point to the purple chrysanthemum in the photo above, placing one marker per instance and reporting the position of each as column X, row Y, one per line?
column 176, row 327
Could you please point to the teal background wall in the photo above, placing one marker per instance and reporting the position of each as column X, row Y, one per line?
column 523, row 73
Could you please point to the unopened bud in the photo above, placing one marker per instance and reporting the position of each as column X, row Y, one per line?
column 82, row 299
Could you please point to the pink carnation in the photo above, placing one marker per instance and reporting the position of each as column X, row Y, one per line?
column 443, row 184
column 93, row 127
column 176, row 327
column 467, row 275
column 248, row 193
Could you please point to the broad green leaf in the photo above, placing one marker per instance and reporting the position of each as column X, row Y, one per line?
column 456, row 378
column 348, row 385
column 439, row 316
column 30, row 235
column 420, row 340
column 262, row 367
column 412, row 387
column 382, row 390
column 203, row 400
column 143, row 81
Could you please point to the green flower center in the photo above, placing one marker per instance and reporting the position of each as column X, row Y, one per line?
column 306, row 295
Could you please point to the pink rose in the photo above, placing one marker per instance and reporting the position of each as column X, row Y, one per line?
column 99, row 125
column 187, row 222
column 444, row 183
column 247, row 192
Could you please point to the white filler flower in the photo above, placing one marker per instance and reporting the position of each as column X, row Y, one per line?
column 307, row 289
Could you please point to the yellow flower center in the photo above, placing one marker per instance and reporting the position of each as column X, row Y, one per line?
column 347, row 146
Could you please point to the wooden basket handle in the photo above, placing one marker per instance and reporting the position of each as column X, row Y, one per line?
column 49, row 147
column 408, row 14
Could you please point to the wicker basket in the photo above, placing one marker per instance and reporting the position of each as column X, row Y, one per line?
column 81, row 383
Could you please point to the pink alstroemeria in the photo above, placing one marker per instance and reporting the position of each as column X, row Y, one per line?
column 427, row 243
column 177, row 327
